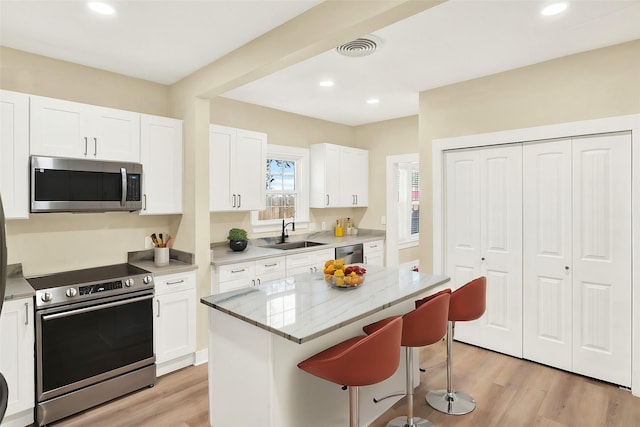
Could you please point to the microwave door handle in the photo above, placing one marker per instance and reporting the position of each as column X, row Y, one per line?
column 123, row 175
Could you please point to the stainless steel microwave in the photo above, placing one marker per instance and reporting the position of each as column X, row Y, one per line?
column 79, row 185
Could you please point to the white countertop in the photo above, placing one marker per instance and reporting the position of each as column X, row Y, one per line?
column 222, row 255
column 17, row 285
column 301, row 308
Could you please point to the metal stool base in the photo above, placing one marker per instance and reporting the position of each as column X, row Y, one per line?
column 455, row 403
column 402, row 422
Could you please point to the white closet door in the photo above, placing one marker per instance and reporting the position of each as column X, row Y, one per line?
column 462, row 222
column 602, row 257
column 547, row 253
column 483, row 196
column 501, row 247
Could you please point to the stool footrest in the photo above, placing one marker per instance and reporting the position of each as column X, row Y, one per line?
column 452, row 403
column 379, row 399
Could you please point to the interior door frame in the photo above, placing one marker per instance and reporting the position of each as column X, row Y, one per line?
column 391, row 243
column 562, row 130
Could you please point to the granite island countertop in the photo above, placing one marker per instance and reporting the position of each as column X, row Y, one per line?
column 222, row 255
column 309, row 308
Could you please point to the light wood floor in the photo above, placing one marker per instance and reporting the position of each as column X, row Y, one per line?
column 509, row 391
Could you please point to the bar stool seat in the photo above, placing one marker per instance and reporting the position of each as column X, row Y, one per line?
column 425, row 325
column 466, row 303
column 359, row 361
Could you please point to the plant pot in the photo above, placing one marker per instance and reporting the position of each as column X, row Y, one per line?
column 238, row 245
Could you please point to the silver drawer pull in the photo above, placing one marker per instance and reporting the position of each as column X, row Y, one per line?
column 238, row 271
column 175, row 282
column 271, row 265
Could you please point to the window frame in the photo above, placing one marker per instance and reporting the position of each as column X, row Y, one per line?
column 413, row 239
column 301, row 158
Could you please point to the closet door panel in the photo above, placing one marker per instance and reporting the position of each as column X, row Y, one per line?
column 462, row 204
column 547, row 275
column 501, row 247
column 602, row 257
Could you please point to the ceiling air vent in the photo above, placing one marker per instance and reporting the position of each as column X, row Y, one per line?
column 361, row 46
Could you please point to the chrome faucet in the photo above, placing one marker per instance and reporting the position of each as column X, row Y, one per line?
column 284, row 235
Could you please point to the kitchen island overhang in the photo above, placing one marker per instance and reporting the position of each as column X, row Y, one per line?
column 258, row 335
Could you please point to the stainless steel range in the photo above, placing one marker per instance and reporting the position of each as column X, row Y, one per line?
column 94, row 338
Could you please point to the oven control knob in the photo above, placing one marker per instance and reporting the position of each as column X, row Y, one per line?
column 71, row 292
column 128, row 283
column 147, row 279
column 46, row 297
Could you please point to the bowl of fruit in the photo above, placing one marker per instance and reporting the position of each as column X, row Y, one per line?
column 343, row 276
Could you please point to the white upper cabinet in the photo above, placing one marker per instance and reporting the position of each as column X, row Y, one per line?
column 70, row 129
column 161, row 158
column 339, row 176
column 237, row 169
column 14, row 153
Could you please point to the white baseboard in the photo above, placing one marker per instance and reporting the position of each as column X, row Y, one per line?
column 202, row 356
column 21, row 419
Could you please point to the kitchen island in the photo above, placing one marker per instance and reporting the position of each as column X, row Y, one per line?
column 258, row 335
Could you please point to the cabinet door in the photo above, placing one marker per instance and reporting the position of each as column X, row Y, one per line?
column 58, row 128
column 547, row 253
column 221, row 141
column 115, row 134
column 374, row 252
column 175, row 325
column 14, row 154
column 248, row 170
column 354, row 177
column 17, row 353
column 602, row 262
column 324, row 176
column 161, row 157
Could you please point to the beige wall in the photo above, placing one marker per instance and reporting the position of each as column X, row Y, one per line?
column 47, row 243
column 594, row 84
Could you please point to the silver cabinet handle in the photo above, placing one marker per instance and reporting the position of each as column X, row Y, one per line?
column 271, row 265
column 253, row 282
column 356, row 199
column 233, row 204
column 327, row 200
column 85, row 145
column 145, row 202
column 158, row 301
column 239, row 200
column 95, row 147
column 238, row 271
column 258, row 281
column 175, row 282
column 26, row 313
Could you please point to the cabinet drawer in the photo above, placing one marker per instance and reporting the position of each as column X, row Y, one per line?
column 308, row 259
column 374, row 247
column 174, row 282
column 240, row 271
column 270, row 265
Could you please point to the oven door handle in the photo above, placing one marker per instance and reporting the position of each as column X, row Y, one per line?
column 94, row 308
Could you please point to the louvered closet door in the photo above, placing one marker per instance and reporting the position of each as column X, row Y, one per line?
column 547, row 251
column 602, row 257
column 483, row 191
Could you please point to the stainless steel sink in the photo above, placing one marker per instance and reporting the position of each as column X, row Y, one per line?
column 294, row 245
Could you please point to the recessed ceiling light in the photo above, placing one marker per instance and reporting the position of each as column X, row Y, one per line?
column 102, row 8
column 373, row 101
column 326, row 83
column 554, row 9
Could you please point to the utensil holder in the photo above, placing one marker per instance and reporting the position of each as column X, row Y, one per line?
column 161, row 257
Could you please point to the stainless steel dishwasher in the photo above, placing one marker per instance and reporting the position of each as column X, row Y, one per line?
column 351, row 254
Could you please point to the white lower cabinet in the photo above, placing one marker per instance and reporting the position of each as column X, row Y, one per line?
column 245, row 274
column 308, row 262
column 374, row 252
column 17, row 360
column 174, row 321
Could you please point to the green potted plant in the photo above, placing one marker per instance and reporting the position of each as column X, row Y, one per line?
column 237, row 239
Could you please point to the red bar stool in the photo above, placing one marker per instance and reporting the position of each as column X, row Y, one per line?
column 359, row 361
column 467, row 303
column 423, row 326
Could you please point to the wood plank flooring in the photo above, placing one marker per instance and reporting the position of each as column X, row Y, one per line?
column 509, row 391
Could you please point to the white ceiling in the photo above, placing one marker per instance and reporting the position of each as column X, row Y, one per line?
column 163, row 41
